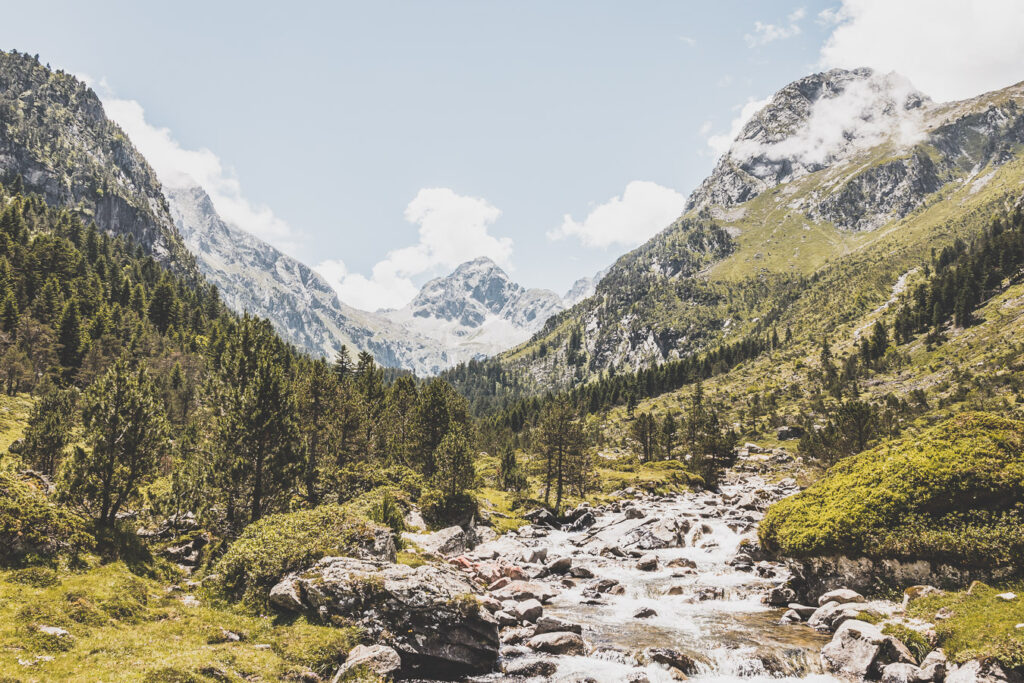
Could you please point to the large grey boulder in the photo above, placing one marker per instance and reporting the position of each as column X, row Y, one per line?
column 558, row 643
column 977, row 672
column 378, row 659
column 860, row 650
column 450, row 541
column 429, row 614
column 844, row 595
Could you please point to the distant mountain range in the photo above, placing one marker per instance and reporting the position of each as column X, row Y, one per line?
column 474, row 312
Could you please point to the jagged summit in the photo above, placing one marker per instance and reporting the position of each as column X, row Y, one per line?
column 811, row 124
column 477, row 309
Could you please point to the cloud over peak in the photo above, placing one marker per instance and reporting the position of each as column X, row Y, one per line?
column 643, row 210
column 452, row 229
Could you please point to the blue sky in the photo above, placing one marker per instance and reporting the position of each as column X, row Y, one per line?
column 386, row 141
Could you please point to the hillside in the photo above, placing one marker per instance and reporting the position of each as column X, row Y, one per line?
column 55, row 140
column 739, row 262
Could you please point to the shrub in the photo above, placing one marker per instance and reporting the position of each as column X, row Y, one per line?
column 281, row 543
column 37, row 577
column 441, row 511
column 32, row 528
column 951, row 494
column 356, row 479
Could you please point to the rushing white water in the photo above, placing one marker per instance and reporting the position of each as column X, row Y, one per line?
column 711, row 611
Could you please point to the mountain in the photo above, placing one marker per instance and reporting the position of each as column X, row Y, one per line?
column 474, row 312
column 838, row 167
column 583, row 288
column 56, row 140
column 477, row 310
column 256, row 277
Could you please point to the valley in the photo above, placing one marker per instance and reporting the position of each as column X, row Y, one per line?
column 782, row 439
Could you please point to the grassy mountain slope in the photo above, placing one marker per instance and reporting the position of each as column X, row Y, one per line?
column 779, row 243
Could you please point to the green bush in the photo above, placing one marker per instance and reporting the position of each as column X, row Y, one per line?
column 37, row 577
column 951, row 494
column 32, row 528
column 358, row 478
column 278, row 544
column 441, row 511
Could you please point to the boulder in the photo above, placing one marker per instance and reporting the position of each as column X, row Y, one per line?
column 901, row 672
column 450, row 541
column 428, row 614
column 656, row 534
column 542, row 517
column 559, row 565
column 840, row 595
column 525, row 590
column 584, row 521
column 581, row 573
column 828, row 618
column 380, row 659
column 780, row 596
column 670, row 658
column 547, row 624
column 933, row 667
column 647, row 563
column 860, row 650
column 558, row 643
column 285, row 595
column 645, row 613
column 528, row 610
column 978, row 672
column 531, row 668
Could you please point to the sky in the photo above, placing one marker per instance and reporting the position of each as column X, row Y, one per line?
column 384, row 143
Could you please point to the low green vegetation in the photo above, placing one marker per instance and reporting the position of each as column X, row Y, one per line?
column 976, row 623
column 950, row 493
column 122, row 627
column 285, row 542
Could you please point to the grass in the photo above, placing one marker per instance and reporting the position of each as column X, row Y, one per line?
column 982, row 626
column 948, row 494
column 127, row 628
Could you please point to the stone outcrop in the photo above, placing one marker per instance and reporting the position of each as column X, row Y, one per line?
column 430, row 614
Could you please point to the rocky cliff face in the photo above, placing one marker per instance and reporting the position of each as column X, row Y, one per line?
column 477, row 310
column 56, row 140
column 879, row 146
column 253, row 276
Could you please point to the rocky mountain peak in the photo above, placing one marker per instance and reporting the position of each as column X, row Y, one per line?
column 811, row 124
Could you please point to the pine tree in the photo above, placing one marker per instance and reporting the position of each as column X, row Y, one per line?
column 49, row 430
column 454, row 458
column 126, row 432
column 256, row 436
column 70, row 338
column 342, row 363
column 668, row 435
column 643, row 431
column 561, row 440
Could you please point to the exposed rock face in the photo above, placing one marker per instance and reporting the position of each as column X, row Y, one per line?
column 55, row 135
column 860, row 650
column 814, row 576
column 428, row 614
column 474, row 312
column 807, row 126
column 477, row 310
column 255, row 277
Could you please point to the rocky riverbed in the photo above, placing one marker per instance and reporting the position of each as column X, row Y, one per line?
column 647, row 588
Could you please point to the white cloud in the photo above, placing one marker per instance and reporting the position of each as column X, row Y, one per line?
column 643, row 210
column 721, row 142
column 769, row 33
column 949, row 48
column 177, row 166
column 864, row 114
column 452, row 229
